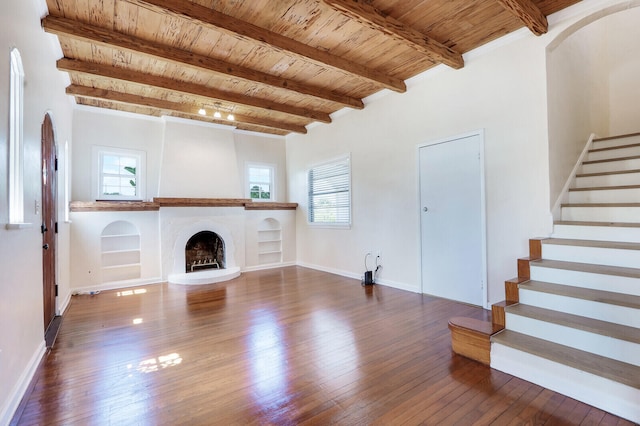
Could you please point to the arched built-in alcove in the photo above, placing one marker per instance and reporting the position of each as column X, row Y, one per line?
column 269, row 241
column 120, row 251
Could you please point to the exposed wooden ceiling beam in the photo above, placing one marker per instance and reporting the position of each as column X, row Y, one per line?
column 108, row 71
column 190, row 109
column 84, row 32
column 238, row 28
column 372, row 17
column 527, row 12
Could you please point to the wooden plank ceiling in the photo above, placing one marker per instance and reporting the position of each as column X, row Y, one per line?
column 275, row 65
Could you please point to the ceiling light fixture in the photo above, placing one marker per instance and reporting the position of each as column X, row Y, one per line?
column 230, row 117
column 202, row 111
column 217, row 114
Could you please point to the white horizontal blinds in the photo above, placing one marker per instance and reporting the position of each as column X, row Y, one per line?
column 330, row 193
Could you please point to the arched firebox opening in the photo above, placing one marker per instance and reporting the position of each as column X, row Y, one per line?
column 204, row 250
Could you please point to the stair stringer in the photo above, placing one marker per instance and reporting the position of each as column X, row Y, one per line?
column 564, row 194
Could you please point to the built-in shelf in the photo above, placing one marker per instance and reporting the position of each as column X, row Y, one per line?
column 269, row 242
column 120, row 252
column 123, row 266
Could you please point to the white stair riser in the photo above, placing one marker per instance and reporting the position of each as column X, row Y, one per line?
column 585, row 308
column 602, row 214
column 616, row 398
column 605, row 196
column 611, row 166
column 585, row 341
column 613, row 153
column 598, row 233
column 614, row 283
column 615, row 142
column 593, row 255
column 608, row 180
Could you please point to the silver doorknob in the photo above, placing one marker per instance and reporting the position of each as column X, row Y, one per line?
column 425, row 209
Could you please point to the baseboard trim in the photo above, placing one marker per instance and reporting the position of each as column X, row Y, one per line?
column 18, row 392
column 347, row 274
column 65, row 304
column 114, row 285
column 268, row 266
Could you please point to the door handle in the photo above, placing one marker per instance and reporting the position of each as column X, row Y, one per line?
column 46, row 246
column 425, row 209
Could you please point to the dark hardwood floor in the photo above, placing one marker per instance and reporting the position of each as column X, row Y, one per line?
column 278, row 347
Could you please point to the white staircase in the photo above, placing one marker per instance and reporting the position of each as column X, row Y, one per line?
column 576, row 328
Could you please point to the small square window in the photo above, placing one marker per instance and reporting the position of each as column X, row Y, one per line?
column 119, row 174
column 260, row 182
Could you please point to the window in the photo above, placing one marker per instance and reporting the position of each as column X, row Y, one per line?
column 330, row 193
column 16, row 197
column 260, row 178
column 119, row 174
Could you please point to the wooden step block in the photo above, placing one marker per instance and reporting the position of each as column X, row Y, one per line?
column 535, row 248
column 471, row 338
column 523, row 267
column 511, row 288
column 497, row 312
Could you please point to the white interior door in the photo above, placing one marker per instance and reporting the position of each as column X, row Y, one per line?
column 453, row 220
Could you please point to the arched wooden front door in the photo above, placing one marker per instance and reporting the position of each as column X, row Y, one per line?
column 49, row 221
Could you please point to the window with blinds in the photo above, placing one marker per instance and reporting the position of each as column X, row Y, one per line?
column 330, row 193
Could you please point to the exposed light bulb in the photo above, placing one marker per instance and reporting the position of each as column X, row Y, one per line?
column 202, row 111
column 230, row 117
column 217, row 114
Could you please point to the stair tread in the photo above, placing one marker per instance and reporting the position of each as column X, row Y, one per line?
column 600, row 205
column 592, row 243
column 588, row 267
column 611, row 224
column 591, row 325
column 605, row 160
column 610, row 148
column 608, row 138
column 612, row 369
column 604, row 188
column 601, row 296
column 616, row 172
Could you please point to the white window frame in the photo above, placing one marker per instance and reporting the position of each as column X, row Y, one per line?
column 336, row 162
column 16, row 156
column 272, row 183
column 98, row 152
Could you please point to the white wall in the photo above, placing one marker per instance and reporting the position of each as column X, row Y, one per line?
column 254, row 148
column 623, row 45
column 578, row 90
column 94, row 127
column 199, row 161
column 22, row 337
column 502, row 89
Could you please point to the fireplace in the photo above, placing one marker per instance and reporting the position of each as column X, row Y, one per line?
column 204, row 250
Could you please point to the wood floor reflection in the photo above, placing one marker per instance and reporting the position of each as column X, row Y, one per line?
column 278, row 347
